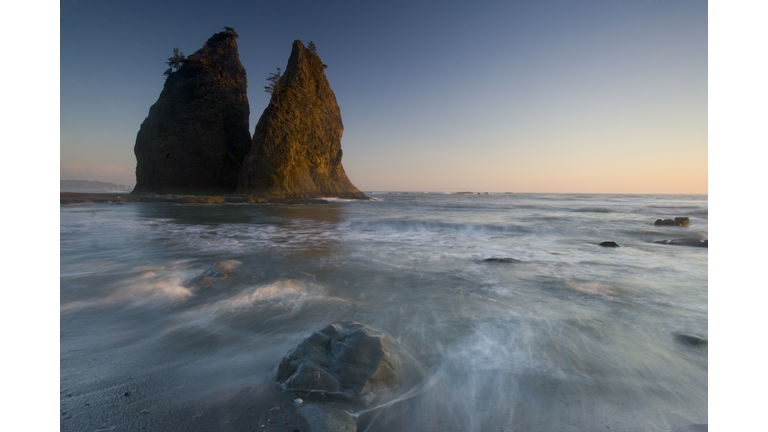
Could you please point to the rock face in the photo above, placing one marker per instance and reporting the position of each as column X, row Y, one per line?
column 196, row 135
column 679, row 221
column 345, row 360
column 296, row 148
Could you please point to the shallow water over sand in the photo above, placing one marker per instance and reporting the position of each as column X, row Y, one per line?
column 574, row 337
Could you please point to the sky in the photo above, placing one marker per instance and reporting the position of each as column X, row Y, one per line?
column 490, row 96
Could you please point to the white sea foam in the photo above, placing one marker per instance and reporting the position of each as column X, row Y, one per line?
column 152, row 286
column 285, row 294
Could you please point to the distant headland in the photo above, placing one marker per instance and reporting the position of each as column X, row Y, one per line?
column 89, row 185
column 196, row 139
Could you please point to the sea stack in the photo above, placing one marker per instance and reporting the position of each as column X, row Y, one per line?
column 196, row 135
column 296, row 148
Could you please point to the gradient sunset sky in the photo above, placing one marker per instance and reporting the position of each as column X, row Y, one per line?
column 496, row 96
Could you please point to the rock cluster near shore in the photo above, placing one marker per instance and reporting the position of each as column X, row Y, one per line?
column 678, row 221
column 195, row 139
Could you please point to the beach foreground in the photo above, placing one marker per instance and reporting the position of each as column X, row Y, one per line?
column 503, row 311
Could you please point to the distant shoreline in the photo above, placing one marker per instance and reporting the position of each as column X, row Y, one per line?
column 86, row 198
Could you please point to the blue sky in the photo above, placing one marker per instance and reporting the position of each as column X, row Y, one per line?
column 521, row 96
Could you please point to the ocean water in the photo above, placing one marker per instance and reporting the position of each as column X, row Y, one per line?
column 573, row 337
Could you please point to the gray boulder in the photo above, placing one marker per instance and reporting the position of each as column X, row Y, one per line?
column 345, row 361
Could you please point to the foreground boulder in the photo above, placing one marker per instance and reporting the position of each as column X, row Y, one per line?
column 196, row 135
column 296, row 148
column 678, row 221
column 345, row 361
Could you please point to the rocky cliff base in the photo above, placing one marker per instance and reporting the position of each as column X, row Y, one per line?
column 70, row 199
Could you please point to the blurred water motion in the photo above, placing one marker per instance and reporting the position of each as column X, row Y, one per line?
column 573, row 337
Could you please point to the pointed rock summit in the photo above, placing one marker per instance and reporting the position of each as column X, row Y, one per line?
column 196, row 135
column 296, row 148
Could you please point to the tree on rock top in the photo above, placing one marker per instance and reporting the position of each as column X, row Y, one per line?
column 175, row 61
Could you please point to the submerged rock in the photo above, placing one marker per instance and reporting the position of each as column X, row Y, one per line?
column 196, row 135
column 346, row 361
column 700, row 427
column 690, row 339
column 684, row 242
column 678, row 221
column 609, row 244
column 502, row 260
column 296, row 148
column 220, row 270
column 199, row 282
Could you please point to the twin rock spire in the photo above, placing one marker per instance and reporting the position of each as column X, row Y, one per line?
column 195, row 139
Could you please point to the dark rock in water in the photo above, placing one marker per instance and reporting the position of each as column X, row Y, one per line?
column 296, row 148
column 502, row 260
column 220, row 270
column 679, row 221
column 690, row 339
column 196, row 135
column 609, row 244
column 684, row 242
column 347, row 360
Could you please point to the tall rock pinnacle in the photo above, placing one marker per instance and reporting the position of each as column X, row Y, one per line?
column 196, row 135
column 296, row 148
